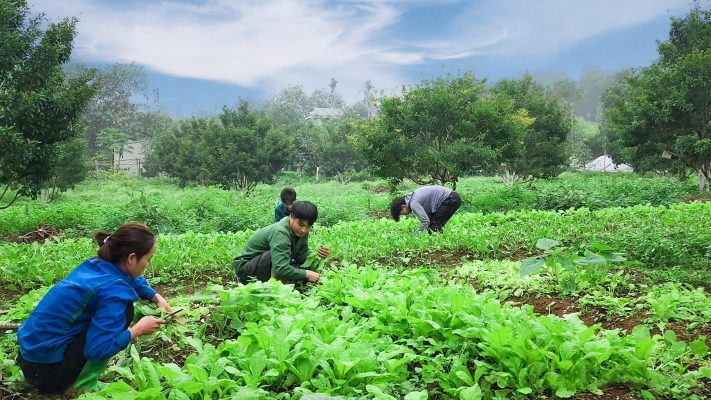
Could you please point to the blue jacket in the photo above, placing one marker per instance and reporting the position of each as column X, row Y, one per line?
column 92, row 298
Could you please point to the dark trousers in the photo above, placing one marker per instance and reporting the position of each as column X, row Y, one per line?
column 260, row 267
column 440, row 217
column 56, row 378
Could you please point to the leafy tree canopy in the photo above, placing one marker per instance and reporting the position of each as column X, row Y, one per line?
column 660, row 116
column 441, row 129
column 40, row 107
column 237, row 151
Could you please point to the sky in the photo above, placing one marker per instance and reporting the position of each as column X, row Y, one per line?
column 203, row 54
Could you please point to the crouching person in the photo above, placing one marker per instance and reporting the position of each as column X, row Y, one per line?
column 280, row 249
column 84, row 319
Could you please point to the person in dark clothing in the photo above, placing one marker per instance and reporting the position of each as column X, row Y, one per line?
column 279, row 250
column 283, row 208
column 84, row 319
column 433, row 205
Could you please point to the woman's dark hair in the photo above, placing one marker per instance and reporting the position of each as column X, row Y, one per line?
column 288, row 195
column 395, row 207
column 305, row 210
column 130, row 238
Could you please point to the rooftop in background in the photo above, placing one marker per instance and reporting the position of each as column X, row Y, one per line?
column 325, row 113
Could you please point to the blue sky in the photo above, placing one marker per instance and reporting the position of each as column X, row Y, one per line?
column 203, row 54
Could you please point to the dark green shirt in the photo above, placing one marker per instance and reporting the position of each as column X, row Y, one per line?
column 280, row 211
column 288, row 251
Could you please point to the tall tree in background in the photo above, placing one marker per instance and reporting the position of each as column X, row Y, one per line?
column 123, row 102
column 70, row 168
column 593, row 83
column 109, row 143
column 40, row 107
column 238, row 152
column 544, row 150
column 662, row 113
column 442, row 129
column 289, row 107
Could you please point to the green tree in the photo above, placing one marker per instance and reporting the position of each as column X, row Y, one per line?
column 237, row 151
column 338, row 153
column 71, row 167
column 288, row 107
column 566, row 91
column 593, row 83
column 442, row 129
column 40, row 107
column 661, row 115
column 110, row 142
column 544, row 151
column 252, row 151
column 586, row 142
column 175, row 152
column 115, row 104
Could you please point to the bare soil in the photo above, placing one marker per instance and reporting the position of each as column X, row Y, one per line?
column 545, row 304
column 699, row 198
column 41, row 234
column 613, row 393
column 193, row 284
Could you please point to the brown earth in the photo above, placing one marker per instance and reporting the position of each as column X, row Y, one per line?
column 545, row 304
column 194, row 283
column 39, row 235
column 699, row 198
column 615, row 393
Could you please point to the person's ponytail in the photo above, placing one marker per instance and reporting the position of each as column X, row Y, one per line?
column 130, row 238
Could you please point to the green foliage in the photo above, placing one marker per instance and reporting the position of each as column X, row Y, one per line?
column 239, row 152
column 114, row 105
column 658, row 237
column 370, row 332
column 39, row 106
column 677, row 302
column 441, row 130
column 545, row 151
column 330, row 146
column 110, row 200
column 586, row 141
column 70, row 169
column 663, row 109
column 111, row 141
column 573, row 272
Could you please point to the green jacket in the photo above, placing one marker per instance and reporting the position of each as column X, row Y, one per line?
column 288, row 251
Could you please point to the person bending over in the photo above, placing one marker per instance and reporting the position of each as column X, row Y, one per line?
column 433, row 205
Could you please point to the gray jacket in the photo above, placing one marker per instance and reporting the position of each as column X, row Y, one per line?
column 425, row 201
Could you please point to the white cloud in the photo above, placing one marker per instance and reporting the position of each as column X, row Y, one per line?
column 544, row 27
column 269, row 44
column 248, row 43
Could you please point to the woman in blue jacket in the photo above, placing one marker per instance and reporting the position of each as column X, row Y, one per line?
column 84, row 319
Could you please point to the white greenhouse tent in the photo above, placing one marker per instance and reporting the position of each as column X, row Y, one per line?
column 605, row 164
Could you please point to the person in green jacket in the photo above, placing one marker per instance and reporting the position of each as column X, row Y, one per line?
column 279, row 250
column 283, row 208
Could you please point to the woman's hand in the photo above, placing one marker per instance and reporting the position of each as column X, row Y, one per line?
column 162, row 303
column 145, row 326
column 324, row 251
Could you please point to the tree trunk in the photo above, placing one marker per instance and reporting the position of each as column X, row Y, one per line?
column 702, row 182
column 17, row 195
